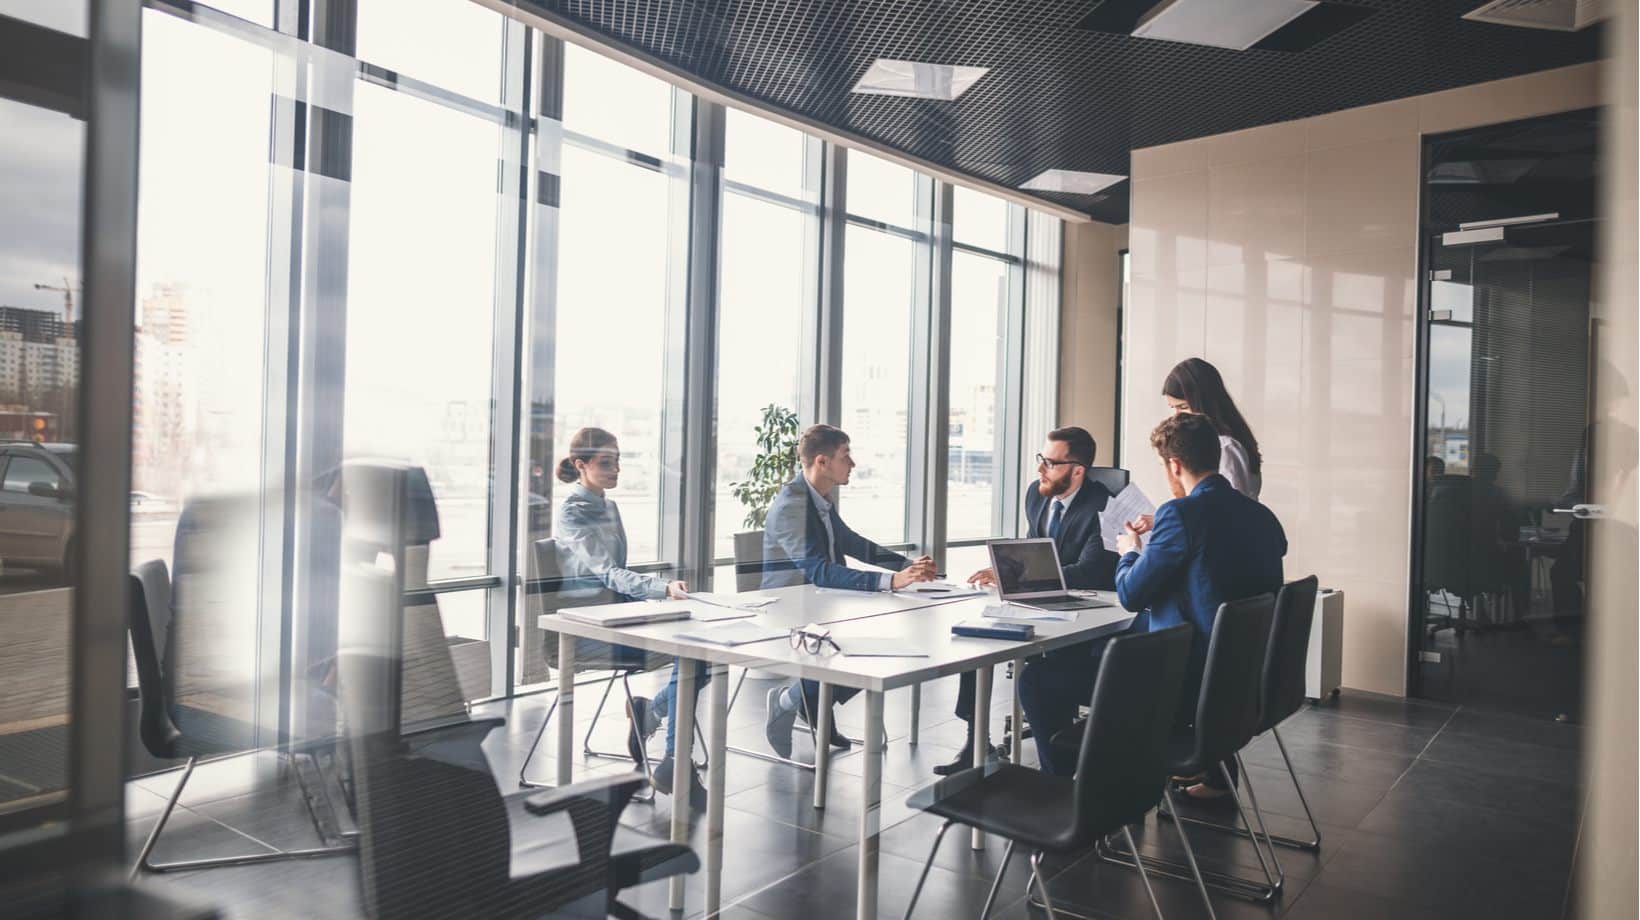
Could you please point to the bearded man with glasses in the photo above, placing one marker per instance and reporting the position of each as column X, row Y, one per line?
column 1063, row 505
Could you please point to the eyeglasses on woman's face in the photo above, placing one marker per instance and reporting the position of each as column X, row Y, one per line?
column 811, row 640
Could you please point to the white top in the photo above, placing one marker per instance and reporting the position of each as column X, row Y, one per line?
column 1234, row 466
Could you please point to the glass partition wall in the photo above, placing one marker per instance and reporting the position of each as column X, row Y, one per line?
column 463, row 273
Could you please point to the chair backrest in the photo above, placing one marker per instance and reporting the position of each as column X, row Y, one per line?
column 748, row 560
column 1114, row 479
column 554, row 590
column 150, row 627
column 433, row 835
column 1448, row 536
column 1122, row 767
column 1284, row 662
column 1227, row 710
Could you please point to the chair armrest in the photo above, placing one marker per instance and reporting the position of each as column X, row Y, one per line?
column 612, row 792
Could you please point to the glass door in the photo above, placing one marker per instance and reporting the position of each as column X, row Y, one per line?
column 1506, row 460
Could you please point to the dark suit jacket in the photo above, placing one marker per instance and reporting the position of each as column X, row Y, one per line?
column 1082, row 554
column 1211, row 546
column 796, row 551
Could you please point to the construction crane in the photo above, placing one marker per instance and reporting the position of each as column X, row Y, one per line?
column 68, row 298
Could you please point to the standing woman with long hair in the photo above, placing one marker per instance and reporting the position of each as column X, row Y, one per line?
column 1195, row 386
column 589, row 530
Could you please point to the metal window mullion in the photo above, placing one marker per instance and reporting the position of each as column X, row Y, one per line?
column 1008, row 426
column 816, row 181
column 823, row 363
column 108, row 228
column 511, row 300
column 930, row 397
column 699, row 468
column 675, row 338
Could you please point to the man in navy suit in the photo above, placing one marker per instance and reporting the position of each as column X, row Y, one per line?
column 1210, row 544
column 806, row 542
column 1063, row 505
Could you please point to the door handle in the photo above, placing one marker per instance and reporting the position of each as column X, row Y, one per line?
column 1583, row 512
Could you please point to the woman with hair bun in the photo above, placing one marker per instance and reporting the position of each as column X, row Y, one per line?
column 592, row 539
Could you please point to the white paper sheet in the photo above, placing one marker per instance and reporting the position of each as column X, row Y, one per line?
column 940, row 589
column 739, row 632
column 877, row 647
column 733, row 601
column 1016, row 612
column 1127, row 505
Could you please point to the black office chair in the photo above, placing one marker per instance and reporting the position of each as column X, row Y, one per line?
column 1283, row 692
column 437, row 838
column 209, row 735
column 579, row 591
column 1120, row 774
column 1114, row 479
column 1227, row 716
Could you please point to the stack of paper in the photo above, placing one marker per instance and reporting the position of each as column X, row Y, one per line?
column 1016, row 612
column 739, row 632
column 941, row 589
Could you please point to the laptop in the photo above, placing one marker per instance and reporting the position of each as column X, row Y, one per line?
column 1028, row 574
column 613, row 615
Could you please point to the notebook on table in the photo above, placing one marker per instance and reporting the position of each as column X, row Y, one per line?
column 624, row 614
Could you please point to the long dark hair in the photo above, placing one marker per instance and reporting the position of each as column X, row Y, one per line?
column 584, row 445
column 1198, row 383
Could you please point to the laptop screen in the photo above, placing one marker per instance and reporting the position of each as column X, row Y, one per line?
column 1026, row 567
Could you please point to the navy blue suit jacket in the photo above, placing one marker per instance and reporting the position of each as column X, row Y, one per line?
column 796, row 551
column 1082, row 554
column 1211, row 546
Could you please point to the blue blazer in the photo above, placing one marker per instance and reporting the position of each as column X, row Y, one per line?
column 796, row 551
column 1211, row 546
column 1082, row 554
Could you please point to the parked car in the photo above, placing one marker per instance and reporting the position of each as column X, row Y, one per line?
column 37, row 505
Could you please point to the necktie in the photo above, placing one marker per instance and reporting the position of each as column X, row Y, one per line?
column 1053, row 522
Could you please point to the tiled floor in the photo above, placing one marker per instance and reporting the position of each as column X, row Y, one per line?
column 1427, row 811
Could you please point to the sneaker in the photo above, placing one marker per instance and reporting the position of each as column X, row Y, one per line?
column 663, row 783
column 778, row 726
column 642, row 722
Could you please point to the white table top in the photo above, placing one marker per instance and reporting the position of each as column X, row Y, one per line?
column 922, row 623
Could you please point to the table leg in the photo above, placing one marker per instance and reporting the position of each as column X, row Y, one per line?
column 822, row 746
column 982, row 732
column 916, row 713
column 566, row 709
column 683, row 742
column 717, row 744
column 1016, row 747
column 871, row 776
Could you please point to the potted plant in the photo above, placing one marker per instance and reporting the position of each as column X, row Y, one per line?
column 774, row 466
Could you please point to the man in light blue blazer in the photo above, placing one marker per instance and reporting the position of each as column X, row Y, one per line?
column 806, row 542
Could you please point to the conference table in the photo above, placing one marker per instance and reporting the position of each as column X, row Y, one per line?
column 920, row 623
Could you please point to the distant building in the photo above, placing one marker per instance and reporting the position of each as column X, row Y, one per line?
column 39, row 357
column 164, row 401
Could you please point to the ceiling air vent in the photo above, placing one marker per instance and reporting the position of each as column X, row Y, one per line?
column 1555, row 15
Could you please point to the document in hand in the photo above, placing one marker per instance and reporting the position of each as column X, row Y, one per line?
column 1125, row 506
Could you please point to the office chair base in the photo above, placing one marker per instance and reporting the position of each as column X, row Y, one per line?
column 145, row 864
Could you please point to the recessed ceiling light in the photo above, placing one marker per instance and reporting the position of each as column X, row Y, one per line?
column 1234, row 24
column 1071, row 182
column 887, row 77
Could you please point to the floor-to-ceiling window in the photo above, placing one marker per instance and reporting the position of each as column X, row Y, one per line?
column 885, row 281
column 767, row 283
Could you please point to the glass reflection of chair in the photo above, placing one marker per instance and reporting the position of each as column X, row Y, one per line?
column 437, row 836
column 558, row 591
column 1463, row 572
column 171, row 728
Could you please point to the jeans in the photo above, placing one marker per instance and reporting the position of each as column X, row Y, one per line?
column 663, row 700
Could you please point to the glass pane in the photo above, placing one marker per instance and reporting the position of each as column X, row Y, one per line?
column 613, row 238
column 419, row 343
column 40, row 290
column 453, row 44
column 979, row 318
column 762, row 288
column 257, row 11
column 616, row 104
column 882, row 191
column 979, row 219
column 761, row 153
column 879, row 286
column 62, row 16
